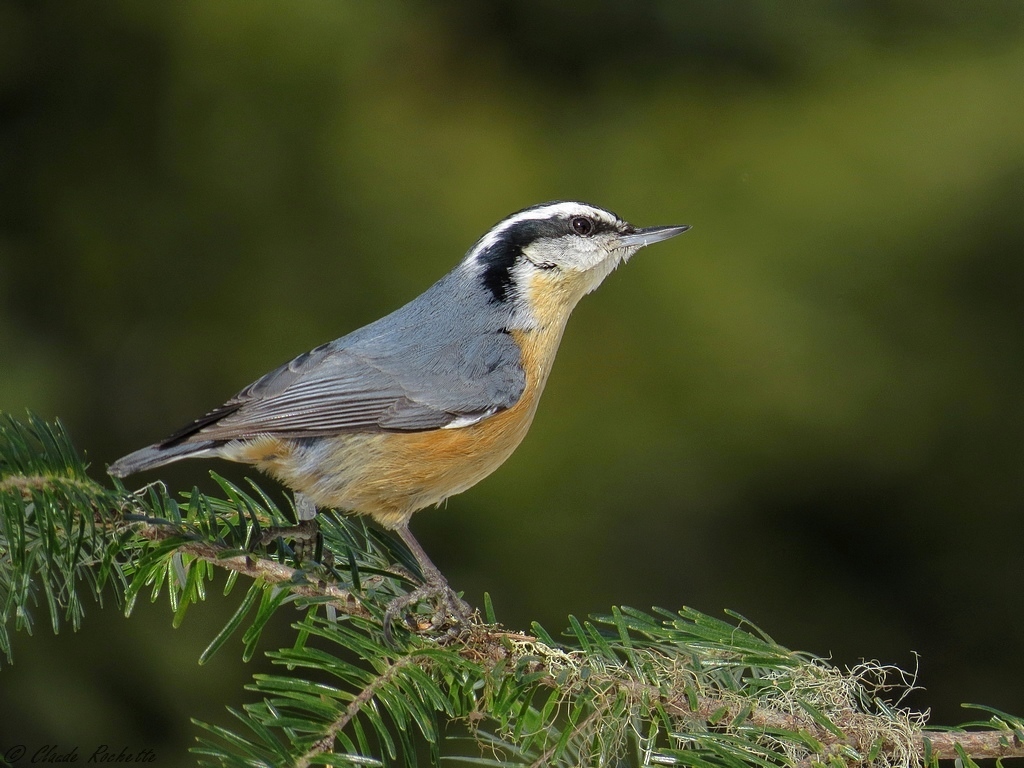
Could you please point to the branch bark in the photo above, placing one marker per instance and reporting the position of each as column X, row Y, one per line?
column 977, row 744
column 258, row 568
column 483, row 644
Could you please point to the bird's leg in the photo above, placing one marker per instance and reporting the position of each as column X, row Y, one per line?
column 452, row 610
column 305, row 509
column 307, row 541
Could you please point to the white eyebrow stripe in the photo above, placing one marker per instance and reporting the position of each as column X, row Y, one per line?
column 549, row 211
column 563, row 209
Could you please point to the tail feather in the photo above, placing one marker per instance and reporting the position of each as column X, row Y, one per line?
column 157, row 455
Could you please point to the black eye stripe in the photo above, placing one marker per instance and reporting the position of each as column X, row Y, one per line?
column 508, row 243
column 497, row 262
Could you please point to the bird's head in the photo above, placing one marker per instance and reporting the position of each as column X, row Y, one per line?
column 551, row 255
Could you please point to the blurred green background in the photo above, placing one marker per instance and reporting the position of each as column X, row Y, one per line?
column 809, row 409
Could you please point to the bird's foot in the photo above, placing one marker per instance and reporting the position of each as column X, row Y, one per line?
column 304, row 538
column 451, row 614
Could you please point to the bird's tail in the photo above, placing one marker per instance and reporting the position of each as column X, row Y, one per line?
column 157, row 455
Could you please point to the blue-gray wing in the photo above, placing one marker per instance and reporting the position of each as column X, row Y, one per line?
column 345, row 387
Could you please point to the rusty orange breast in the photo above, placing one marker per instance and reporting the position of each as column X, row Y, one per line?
column 391, row 475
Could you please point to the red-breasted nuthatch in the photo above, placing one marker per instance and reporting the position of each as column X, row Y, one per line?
column 429, row 400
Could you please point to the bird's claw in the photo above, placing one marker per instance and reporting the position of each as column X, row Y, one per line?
column 305, row 539
column 451, row 614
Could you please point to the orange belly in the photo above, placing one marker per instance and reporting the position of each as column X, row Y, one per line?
column 391, row 475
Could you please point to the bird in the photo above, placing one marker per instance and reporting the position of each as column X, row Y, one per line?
column 425, row 402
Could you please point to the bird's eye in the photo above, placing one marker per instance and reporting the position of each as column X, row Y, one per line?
column 581, row 225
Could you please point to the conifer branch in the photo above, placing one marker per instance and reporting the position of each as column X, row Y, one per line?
column 667, row 688
column 269, row 571
column 978, row 745
column 363, row 699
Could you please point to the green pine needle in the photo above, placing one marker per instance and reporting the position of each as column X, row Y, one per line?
column 629, row 688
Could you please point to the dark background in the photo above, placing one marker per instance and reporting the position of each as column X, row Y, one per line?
column 809, row 409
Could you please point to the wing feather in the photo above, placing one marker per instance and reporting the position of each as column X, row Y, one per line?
column 371, row 387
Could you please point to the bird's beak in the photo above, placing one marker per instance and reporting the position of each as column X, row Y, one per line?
column 648, row 235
